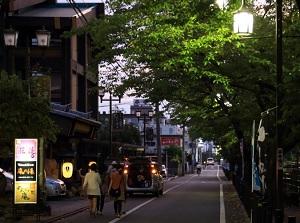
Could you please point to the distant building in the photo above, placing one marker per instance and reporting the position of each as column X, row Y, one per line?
column 170, row 134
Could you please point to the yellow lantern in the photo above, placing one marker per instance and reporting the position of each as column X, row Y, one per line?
column 67, row 170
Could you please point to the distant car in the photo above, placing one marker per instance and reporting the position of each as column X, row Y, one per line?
column 142, row 176
column 54, row 187
column 210, row 161
column 164, row 171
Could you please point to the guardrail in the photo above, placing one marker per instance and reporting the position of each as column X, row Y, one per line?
column 256, row 206
column 291, row 182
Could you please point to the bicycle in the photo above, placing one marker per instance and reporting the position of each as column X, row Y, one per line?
column 198, row 171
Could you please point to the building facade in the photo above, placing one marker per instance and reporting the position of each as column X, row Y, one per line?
column 73, row 109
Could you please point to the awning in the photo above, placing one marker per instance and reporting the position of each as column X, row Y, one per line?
column 65, row 154
column 53, row 15
column 93, row 147
column 73, row 125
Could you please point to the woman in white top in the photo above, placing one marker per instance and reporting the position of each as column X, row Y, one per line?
column 92, row 184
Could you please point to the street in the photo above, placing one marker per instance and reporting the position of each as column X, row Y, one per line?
column 191, row 198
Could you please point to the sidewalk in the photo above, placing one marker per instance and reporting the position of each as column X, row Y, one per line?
column 235, row 211
column 59, row 209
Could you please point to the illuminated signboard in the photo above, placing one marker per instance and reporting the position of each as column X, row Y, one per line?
column 169, row 141
column 25, row 176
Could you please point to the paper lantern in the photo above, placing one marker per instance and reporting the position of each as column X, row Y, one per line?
column 67, row 170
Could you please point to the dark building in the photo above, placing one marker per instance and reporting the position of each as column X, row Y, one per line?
column 73, row 109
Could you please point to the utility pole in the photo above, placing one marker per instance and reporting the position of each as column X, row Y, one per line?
column 158, row 144
column 183, row 151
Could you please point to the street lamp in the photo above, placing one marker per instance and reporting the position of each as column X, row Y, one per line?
column 279, row 97
column 150, row 115
column 43, row 40
column 11, row 39
column 43, row 37
column 101, row 93
column 243, row 21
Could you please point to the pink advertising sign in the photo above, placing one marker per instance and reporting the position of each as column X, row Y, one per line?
column 26, row 149
column 25, row 176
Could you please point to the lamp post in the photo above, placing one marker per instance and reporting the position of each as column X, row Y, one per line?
column 101, row 93
column 279, row 97
column 199, row 151
column 150, row 115
column 43, row 40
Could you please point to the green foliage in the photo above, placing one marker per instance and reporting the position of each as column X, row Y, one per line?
column 20, row 115
column 175, row 153
column 130, row 133
column 184, row 52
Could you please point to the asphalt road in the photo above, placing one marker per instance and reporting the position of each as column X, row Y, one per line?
column 187, row 199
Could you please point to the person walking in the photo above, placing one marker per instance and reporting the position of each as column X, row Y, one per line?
column 82, row 172
column 92, row 184
column 112, row 168
column 103, row 190
column 118, row 179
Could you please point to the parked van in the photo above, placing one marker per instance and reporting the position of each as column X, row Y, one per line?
column 142, row 176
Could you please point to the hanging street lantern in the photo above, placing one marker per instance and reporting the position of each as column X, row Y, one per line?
column 10, row 37
column 43, row 37
column 243, row 21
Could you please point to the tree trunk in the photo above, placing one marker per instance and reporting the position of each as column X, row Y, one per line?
column 179, row 169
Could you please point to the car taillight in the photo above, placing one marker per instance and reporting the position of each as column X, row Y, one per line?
column 126, row 169
column 153, row 171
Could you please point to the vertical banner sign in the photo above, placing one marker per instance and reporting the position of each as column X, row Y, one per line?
column 118, row 121
column 279, row 158
column 25, row 177
column 242, row 153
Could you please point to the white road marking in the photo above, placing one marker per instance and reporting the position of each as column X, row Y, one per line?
column 222, row 206
column 143, row 204
column 218, row 173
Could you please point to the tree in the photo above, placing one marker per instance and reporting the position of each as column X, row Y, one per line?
column 175, row 153
column 216, row 83
column 22, row 116
column 130, row 133
column 160, row 51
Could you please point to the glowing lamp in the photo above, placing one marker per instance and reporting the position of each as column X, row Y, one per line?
column 67, row 170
